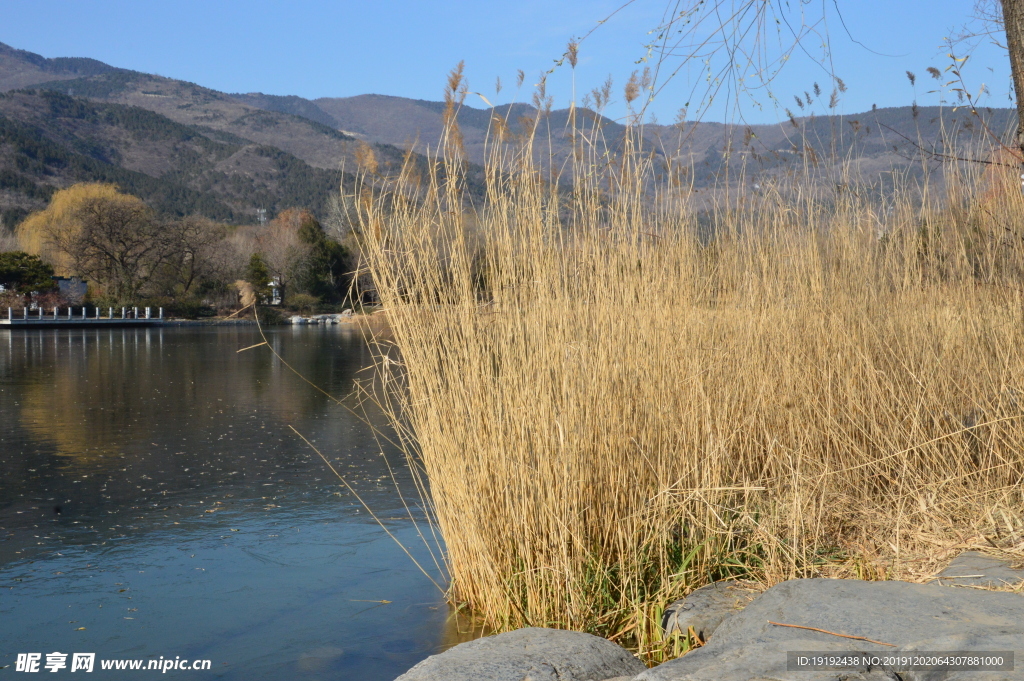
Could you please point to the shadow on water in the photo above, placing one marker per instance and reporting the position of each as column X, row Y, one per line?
column 154, row 502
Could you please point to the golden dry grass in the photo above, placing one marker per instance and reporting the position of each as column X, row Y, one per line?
column 613, row 405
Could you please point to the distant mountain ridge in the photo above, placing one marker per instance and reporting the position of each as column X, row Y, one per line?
column 20, row 68
column 289, row 104
column 885, row 141
column 49, row 140
column 182, row 147
column 324, row 134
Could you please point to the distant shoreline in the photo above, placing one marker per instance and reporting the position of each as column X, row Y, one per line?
column 353, row 320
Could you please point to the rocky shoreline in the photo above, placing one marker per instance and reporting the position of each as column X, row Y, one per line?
column 753, row 637
column 345, row 316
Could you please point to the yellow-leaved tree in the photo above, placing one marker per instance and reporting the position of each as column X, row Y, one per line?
column 96, row 232
column 41, row 233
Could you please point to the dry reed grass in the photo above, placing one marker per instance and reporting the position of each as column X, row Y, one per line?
column 614, row 402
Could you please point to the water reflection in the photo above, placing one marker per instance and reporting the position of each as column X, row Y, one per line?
column 153, row 501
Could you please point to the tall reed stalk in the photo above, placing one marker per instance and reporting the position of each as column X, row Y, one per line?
column 615, row 400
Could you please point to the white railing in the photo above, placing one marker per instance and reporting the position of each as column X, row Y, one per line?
column 58, row 314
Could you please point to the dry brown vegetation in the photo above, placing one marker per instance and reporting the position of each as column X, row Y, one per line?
column 614, row 400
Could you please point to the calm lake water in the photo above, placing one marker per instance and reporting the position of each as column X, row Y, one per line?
column 154, row 502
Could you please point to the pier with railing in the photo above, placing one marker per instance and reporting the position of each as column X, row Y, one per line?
column 64, row 317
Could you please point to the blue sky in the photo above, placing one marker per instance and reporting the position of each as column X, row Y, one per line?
column 399, row 47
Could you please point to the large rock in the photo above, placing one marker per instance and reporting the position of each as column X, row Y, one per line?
column 706, row 608
column 973, row 568
column 922, row 617
column 529, row 655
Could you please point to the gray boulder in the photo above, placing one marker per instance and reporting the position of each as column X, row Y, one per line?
column 706, row 608
column 973, row 568
column 532, row 654
column 913, row 617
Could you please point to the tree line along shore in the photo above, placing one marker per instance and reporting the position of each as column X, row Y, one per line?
column 120, row 251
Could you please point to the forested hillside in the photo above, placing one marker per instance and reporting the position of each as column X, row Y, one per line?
column 182, row 147
column 50, row 140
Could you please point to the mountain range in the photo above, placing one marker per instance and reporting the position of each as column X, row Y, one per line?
column 187, row 148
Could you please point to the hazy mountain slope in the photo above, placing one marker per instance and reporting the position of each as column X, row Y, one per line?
column 400, row 121
column 19, row 69
column 190, row 104
column 290, row 104
column 49, row 140
column 318, row 144
column 866, row 144
column 394, row 120
column 870, row 146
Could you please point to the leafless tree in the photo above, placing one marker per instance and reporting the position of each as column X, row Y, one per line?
column 198, row 252
column 118, row 243
column 8, row 241
column 1013, row 26
column 1002, row 23
column 283, row 251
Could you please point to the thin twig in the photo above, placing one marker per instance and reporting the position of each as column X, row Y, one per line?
column 253, row 346
column 240, row 311
column 368, row 509
column 832, row 633
column 946, row 157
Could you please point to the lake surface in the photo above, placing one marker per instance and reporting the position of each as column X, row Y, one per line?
column 154, row 502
